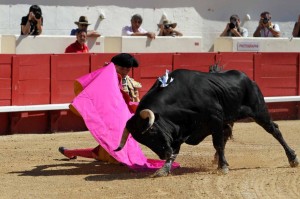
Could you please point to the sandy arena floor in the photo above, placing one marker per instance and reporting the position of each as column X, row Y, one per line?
column 31, row 167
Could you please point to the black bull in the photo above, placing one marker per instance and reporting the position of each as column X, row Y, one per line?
column 196, row 105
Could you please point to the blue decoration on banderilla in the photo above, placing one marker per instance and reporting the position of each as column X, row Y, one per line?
column 165, row 80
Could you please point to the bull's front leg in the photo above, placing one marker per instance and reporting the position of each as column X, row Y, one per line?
column 166, row 169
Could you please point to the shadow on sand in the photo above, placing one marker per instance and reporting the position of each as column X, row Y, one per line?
column 98, row 171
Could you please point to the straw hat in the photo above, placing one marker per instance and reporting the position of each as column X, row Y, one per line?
column 167, row 22
column 82, row 20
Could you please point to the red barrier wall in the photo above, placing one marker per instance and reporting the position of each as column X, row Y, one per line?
column 65, row 68
column 277, row 74
column 194, row 61
column 99, row 60
column 237, row 61
column 31, row 79
column 5, row 90
column 151, row 66
column 5, row 80
column 31, row 85
column 44, row 79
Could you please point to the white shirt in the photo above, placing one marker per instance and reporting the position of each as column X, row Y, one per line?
column 127, row 31
column 265, row 32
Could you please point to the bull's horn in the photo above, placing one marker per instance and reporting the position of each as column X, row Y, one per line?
column 123, row 139
column 147, row 113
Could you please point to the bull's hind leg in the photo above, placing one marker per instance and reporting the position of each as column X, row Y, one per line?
column 227, row 130
column 260, row 114
column 219, row 145
column 272, row 128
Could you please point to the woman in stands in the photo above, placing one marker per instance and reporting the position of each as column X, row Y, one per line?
column 167, row 28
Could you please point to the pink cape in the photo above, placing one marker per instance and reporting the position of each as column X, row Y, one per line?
column 105, row 113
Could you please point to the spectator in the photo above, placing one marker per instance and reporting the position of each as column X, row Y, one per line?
column 135, row 29
column 296, row 30
column 234, row 29
column 83, row 24
column 123, row 63
column 32, row 23
column 167, row 28
column 265, row 27
column 79, row 45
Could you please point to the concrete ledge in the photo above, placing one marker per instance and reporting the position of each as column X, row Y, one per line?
column 44, row 44
column 41, row 107
column 256, row 44
column 56, row 44
column 133, row 44
column 282, row 99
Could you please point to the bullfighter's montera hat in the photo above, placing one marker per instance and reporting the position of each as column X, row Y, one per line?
column 125, row 60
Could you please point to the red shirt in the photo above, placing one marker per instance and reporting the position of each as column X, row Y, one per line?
column 77, row 48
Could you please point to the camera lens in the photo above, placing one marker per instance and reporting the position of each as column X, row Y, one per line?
column 37, row 15
column 167, row 26
column 265, row 20
column 231, row 25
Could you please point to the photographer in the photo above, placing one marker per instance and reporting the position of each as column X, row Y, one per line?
column 168, row 29
column 296, row 30
column 265, row 27
column 32, row 24
column 233, row 29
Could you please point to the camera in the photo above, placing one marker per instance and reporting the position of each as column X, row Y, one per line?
column 232, row 25
column 37, row 14
column 265, row 20
column 36, row 10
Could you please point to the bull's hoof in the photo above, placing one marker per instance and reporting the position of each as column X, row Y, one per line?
column 224, row 170
column 294, row 163
column 160, row 173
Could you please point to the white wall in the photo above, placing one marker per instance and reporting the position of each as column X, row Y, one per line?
column 206, row 18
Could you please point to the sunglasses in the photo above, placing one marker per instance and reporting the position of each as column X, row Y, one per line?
column 137, row 21
column 167, row 26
